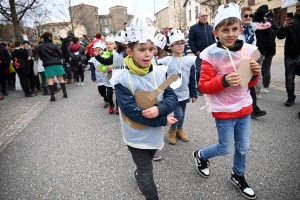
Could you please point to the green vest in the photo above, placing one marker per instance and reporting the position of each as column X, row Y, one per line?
column 106, row 54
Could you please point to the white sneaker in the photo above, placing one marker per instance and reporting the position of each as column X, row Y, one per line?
column 258, row 97
column 265, row 91
column 82, row 83
column 78, row 83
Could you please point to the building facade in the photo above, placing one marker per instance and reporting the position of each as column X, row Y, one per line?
column 87, row 16
column 113, row 22
column 162, row 19
column 177, row 14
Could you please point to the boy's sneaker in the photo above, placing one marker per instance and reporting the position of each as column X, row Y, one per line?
column 201, row 165
column 82, row 83
column 78, row 83
column 157, row 155
column 258, row 113
column 258, row 96
column 242, row 185
column 289, row 102
column 106, row 104
column 264, row 91
column 111, row 109
column 117, row 111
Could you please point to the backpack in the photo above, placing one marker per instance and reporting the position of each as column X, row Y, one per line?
column 75, row 59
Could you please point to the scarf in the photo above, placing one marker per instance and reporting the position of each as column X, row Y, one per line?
column 135, row 69
column 249, row 34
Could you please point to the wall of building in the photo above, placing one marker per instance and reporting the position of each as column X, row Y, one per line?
column 177, row 14
column 162, row 19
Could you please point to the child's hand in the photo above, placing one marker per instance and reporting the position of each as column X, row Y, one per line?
column 233, row 79
column 255, row 67
column 109, row 68
column 171, row 120
column 151, row 113
column 193, row 99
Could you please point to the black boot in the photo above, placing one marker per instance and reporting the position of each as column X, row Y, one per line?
column 63, row 87
column 56, row 87
column 46, row 92
column 51, row 88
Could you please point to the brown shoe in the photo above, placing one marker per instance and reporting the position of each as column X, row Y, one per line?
column 1, row 97
column 69, row 81
column 180, row 134
column 172, row 136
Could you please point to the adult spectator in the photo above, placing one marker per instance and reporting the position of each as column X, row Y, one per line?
column 51, row 57
column 65, row 55
column 90, row 46
column 4, row 62
column 248, row 36
column 20, row 60
column 86, row 41
column 186, row 39
column 200, row 37
column 267, row 62
column 290, row 31
column 124, row 26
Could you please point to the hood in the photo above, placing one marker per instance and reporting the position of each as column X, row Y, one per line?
column 75, row 47
column 263, row 26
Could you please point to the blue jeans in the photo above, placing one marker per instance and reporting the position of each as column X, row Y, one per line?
column 290, row 66
column 79, row 73
column 229, row 131
column 198, row 69
column 179, row 114
column 144, row 169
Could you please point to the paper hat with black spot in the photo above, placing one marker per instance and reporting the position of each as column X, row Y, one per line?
column 226, row 11
column 99, row 45
column 175, row 35
column 140, row 29
column 110, row 38
column 160, row 41
column 121, row 36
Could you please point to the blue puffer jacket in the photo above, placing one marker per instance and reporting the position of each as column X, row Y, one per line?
column 200, row 37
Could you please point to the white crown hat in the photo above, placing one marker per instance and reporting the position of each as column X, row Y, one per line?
column 121, row 36
column 227, row 10
column 99, row 45
column 175, row 35
column 110, row 38
column 160, row 41
column 140, row 29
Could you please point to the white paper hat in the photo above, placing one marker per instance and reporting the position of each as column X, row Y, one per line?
column 160, row 41
column 227, row 10
column 121, row 37
column 110, row 38
column 140, row 29
column 175, row 35
column 99, row 45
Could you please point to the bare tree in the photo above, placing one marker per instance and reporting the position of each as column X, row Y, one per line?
column 14, row 11
column 214, row 4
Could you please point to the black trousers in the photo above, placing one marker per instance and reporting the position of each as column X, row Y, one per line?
column 3, row 79
column 102, row 92
column 24, row 80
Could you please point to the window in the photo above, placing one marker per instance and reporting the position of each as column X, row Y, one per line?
column 190, row 15
column 79, row 8
column 105, row 21
column 97, row 26
column 171, row 19
column 125, row 12
column 100, row 21
column 175, row 19
column 103, row 29
column 110, row 21
column 53, row 30
column 96, row 16
column 251, row 2
column 189, row 3
column 174, row 4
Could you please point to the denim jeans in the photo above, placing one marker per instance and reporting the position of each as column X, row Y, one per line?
column 198, row 69
column 77, row 74
column 266, row 70
column 179, row 114
column 289, row 64
column 229, row 131
column 144, row 169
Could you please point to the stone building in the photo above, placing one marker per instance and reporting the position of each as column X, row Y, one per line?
column 177, row 14
column 113, row 22
column 87, row 16
column 162, row 19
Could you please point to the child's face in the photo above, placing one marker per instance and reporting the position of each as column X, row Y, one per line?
column 141, row 53
column 228, row 34
column 110, row 46
column 177, row 47
column 99, row 51
column 155, row 50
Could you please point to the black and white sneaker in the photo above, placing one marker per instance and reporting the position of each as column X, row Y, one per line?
column 201, row 165
column 242, row 185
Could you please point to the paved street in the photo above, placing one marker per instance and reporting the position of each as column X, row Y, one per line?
column 73, row 149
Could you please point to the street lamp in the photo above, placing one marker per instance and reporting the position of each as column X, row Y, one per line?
column 37, row 25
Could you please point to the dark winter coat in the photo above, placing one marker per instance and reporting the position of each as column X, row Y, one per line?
column 49, row 53
column 292, row 35
column 4, row 57
column 274, row 27
column 20, row 60
column 200, row 37
column 65, row 46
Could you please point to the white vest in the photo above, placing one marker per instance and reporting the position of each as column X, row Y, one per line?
column 150, row 137
column 100, row 76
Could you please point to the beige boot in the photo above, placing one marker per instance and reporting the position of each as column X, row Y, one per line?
column 172, row 136
column 180, row 134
